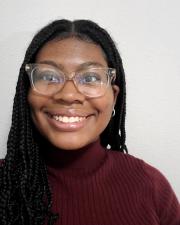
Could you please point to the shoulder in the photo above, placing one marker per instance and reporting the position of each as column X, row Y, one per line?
column 166, row 202
column 131, row 162
column 147, row 179
column 126, row 161
column 142, row 169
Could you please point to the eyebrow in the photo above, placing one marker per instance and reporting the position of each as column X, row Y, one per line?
column 81, row 66
column 90, row 64
column 52, row 63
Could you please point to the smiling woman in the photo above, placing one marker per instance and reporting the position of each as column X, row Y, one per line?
column 66, row 161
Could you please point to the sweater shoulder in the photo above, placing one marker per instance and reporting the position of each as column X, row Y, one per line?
column 127, row 161
column 154, row 182
column 132, row 163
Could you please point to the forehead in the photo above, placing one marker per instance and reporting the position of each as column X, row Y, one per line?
column 71, row 52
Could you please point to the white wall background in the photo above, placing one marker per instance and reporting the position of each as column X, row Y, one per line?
column 147, row 33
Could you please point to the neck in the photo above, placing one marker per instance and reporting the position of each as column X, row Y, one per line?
column 87, row 157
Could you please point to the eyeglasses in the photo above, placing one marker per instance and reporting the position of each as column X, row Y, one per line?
column 48, row 80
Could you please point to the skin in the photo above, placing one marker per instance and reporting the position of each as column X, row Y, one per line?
column 70, row 54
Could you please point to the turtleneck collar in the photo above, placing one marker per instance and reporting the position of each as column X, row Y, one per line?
column 87, row 158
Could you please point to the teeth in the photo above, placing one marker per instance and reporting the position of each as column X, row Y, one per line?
column 66, row 119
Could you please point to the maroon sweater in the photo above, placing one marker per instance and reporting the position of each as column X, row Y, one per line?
column 95, row 186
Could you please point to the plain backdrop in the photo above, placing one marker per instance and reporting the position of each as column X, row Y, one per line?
column 147, row 33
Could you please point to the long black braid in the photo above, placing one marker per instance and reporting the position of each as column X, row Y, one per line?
column 25, row 195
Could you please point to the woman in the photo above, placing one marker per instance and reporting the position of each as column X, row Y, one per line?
column 69, row 110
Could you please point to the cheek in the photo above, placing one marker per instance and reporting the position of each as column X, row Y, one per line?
column 108, row 112
column 36, row 104
column 36, row 101
column 106, row 104
column 105, row 107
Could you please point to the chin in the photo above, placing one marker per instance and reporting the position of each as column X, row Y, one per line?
column 69, row 144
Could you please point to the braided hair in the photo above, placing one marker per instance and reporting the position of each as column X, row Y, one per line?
column 25, row 195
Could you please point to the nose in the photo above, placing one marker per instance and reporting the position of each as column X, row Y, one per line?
column 69, row 93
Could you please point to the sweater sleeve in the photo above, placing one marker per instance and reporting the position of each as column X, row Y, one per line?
column 166, row 202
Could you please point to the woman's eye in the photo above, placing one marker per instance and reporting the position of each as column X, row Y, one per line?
column 49, row 77
column 91, row 78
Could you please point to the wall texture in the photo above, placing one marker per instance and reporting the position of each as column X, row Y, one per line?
column 147, row 34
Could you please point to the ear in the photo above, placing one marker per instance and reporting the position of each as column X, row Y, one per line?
column 116, row 91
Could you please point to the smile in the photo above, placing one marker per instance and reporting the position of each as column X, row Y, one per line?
column 67, row 122
column 66, row 119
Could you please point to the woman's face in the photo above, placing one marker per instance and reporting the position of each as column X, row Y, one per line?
column 92, row 114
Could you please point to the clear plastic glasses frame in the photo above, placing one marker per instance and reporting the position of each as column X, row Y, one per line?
column 48, row 80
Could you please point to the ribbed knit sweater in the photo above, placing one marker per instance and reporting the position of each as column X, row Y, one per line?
column 95, row 186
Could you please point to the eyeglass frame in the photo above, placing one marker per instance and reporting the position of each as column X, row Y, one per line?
column 30, row 67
